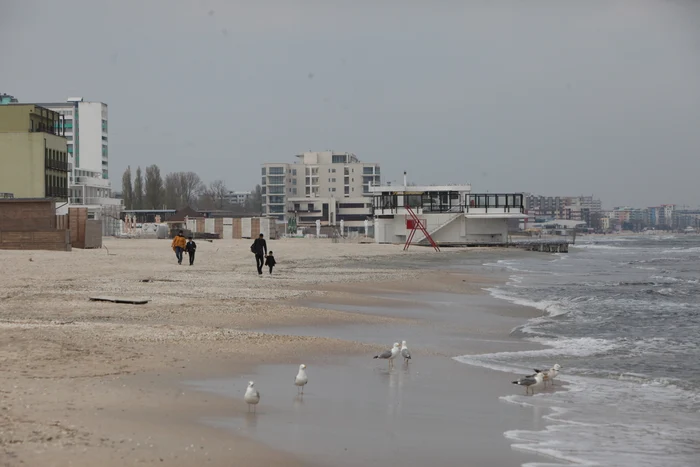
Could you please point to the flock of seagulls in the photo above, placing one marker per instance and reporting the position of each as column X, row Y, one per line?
column 535, row 381
column 394, row 352
column 252, row 395
column 539, row 379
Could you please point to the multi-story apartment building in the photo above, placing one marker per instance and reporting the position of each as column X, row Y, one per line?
column 33, row 153
column 85, row 125
column 238, row 197
column 661, row 215
column 338, row 182
column 562, row 207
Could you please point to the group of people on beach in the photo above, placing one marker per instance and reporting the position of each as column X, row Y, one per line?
column 263, row 258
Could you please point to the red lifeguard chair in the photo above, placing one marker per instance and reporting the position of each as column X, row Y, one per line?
column 413, row 223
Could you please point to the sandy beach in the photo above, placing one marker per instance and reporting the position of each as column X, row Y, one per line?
column 93, row 383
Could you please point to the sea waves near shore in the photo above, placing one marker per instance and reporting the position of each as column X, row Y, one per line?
column 622, row 317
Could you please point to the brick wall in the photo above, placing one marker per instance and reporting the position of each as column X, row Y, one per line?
column 27, row 215
column 56, row 240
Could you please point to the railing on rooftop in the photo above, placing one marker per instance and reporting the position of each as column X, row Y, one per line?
column 448, row 202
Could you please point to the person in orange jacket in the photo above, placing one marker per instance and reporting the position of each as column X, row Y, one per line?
column 178, row 246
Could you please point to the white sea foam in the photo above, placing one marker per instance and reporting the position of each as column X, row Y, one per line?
column 612, row 422
column 550, row 307
column 595, row 246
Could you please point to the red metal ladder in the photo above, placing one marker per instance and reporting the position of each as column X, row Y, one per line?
column 418, row 225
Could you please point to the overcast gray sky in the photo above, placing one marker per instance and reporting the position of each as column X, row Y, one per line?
column 552, row 97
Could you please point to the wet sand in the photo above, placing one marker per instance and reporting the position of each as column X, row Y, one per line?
column 358, row 411
column 88, row 383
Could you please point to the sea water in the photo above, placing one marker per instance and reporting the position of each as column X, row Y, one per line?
column 622, row 318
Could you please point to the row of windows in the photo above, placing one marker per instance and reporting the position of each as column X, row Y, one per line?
column 354, row 205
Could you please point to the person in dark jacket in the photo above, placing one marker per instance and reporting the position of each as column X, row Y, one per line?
column 191, row 248
column 259, row 247
column 270, row 261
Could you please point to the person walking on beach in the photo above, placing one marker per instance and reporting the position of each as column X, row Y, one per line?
column 178, row 246
column 270, row 261
column 259, row 247
column 191, row 248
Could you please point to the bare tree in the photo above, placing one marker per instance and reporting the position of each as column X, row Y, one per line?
column 191, row 187
column 127, row 189
column 219, row 193
column 138, row 190
column 154, row 188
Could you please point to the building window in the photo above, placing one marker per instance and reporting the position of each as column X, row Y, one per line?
column 294, row 181
column 276, row 171
column 263, row 170
column 310, row 207
column 367, row 170
column 294, row 171
column 347, row 190
column 276, row 180
column 376, row 170
column 294, row 191
column 275, row 199
column 276, row 209
column 341, row 159
column 276, row 190
column 264, row 181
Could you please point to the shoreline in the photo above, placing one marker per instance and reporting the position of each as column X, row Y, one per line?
column 113, row 370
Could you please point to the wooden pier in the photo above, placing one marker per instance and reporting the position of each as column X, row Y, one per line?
column 544, row 246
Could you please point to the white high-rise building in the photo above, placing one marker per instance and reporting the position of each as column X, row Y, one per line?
column 86, row 130
column 327, row 186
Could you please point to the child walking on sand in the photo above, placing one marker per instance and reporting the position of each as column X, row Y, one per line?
column 270, row 261
column 191, row 248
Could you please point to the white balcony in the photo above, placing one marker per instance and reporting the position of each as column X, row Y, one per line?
column 93, row 182
column 95, row 201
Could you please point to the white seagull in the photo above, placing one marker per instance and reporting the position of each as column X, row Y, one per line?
column 390, row 354
column 301, row 378
column 531, row 382
column 405, row 353
column 252, row 396
column 550, row 374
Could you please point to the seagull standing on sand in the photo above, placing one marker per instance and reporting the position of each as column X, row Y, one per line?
column 405, row 353
column 390, row 354
column 531, row 382
column 252, row 396
column 549, row 375
column 301, row 378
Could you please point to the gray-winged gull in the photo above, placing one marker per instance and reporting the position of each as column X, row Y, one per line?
column 549, row 375
column 301, row 378
column 390, row 354
column 405, row 353
column 252, row 396
column 531, row 382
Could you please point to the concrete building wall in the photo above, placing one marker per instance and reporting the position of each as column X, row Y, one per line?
column 91, row 142
column 23, row 162
column 444, row 229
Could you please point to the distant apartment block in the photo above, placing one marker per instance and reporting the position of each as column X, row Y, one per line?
column 329, row 186
column 33, row 153
column 238, row 197
column 661, row 215
column 562, row 207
